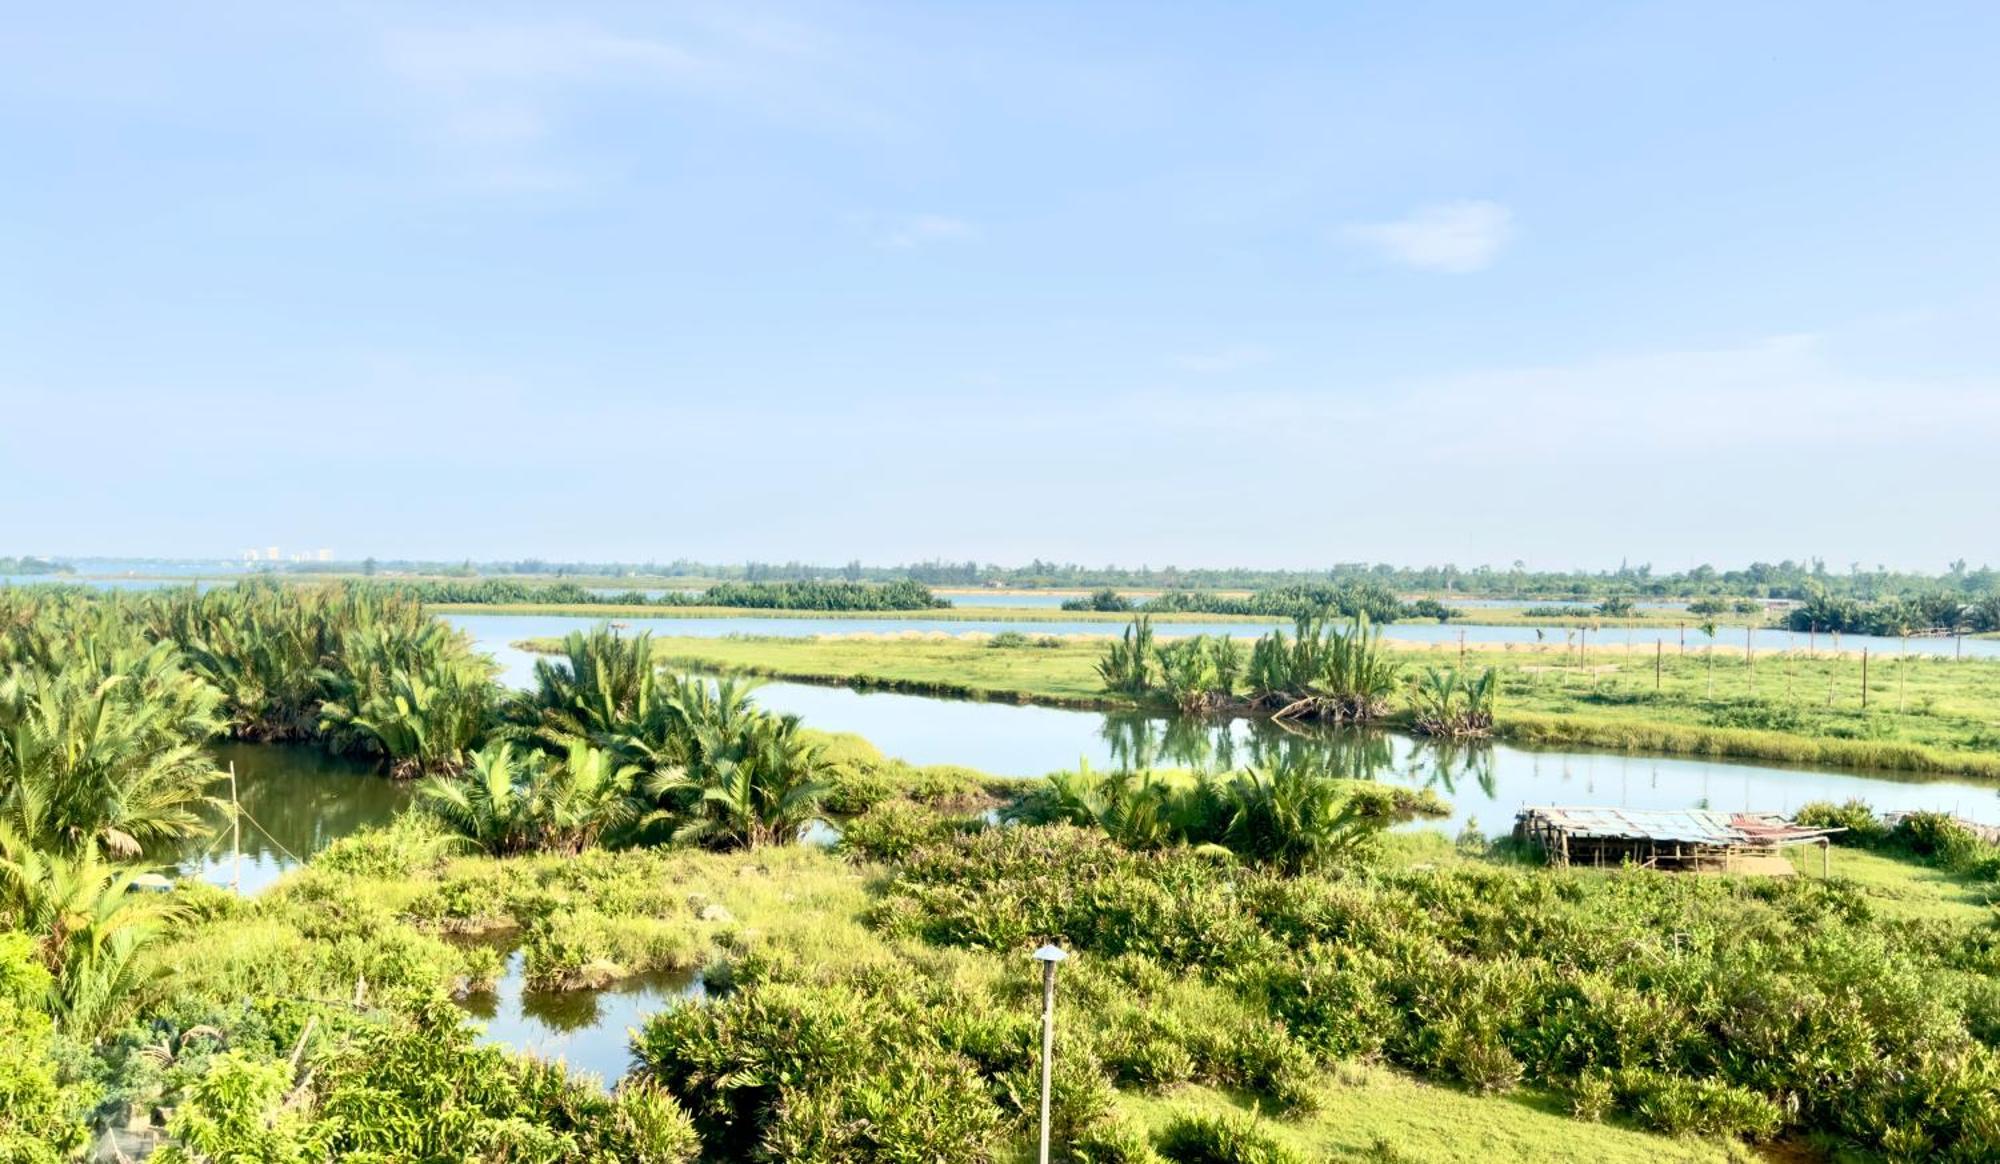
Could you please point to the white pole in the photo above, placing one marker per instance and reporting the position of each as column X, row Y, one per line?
column 1048, row 956
column 1048, row 1047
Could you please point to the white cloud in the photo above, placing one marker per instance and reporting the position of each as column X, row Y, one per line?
column 1446, row 236
column 497, row 98
column 921, row 229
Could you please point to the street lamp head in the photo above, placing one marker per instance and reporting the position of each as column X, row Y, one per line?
column 1050, row 953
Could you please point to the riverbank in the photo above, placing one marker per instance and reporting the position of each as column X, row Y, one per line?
column 1114, row 621
column 1924, row 715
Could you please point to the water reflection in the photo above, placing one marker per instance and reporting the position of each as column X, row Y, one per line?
column 587, row 1029
column 296, row 800
column 1489, row 781
column 495, row 631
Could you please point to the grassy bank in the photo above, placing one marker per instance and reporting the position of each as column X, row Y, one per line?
column 1114, row 622
column 1923, row 714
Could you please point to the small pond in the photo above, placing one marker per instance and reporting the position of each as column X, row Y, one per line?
column 587, row 1029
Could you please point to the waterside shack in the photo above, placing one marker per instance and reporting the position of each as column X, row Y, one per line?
column 1693, row 839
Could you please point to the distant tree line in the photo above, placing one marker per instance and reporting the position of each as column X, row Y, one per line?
column 1932, row 611
column 1371, row 600
column 825, row 596
column 28, row 565
column 1788, row 579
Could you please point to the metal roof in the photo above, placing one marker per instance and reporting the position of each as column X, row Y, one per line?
column 1688, row 826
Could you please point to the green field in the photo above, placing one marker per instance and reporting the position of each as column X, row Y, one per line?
column 1924, row 714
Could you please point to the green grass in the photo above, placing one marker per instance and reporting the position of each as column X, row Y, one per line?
column 1375, row 1114
column 1900, row 887
column 1926, row 714
column 1115, row 621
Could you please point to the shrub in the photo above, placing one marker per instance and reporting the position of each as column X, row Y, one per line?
column 1862, row 825
column 1206, row 1139
column 1112, row 1142
column 1007, row 641
column 1938, row 838
column 1679, row 1106
column 1593, row 1097
column 891, row 830
column 41, row 1117
column 827, row 1072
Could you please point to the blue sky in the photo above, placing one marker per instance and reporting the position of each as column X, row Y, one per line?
column 1270, row 284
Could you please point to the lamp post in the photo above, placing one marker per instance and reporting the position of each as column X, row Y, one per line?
column 1048, row 956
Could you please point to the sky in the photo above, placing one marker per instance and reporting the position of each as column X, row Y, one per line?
column 1261, row 284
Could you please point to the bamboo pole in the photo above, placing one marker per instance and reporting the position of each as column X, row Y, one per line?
column 235, row 834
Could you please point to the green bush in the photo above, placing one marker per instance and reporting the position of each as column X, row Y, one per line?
column 41, row 1115
column 1722, row 1006
column 1862, row 825
column 891, row 830
column 1207, row 1139
column 789, row 1071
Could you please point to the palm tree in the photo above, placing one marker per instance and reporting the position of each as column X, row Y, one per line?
column 602, row 686
column 520, row 801
column 489, row 806
column 105, row 753
column 1128, row 663
column 89, row 928
column 423, row 721
column 581, row 797
column 1297, row 819
column 759, row 786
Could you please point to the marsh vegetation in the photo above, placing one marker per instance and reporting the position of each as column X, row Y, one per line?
column 1260, row 933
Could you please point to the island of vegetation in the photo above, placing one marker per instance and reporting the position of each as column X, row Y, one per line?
column 1909, row 713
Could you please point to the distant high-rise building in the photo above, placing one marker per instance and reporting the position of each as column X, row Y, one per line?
column 323, row 555
column 271, row 554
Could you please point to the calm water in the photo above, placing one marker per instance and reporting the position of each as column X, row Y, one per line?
column 495, row 631
column 587, row 1029
column 1007, row 599
column 1489, row 783
column 296, row 801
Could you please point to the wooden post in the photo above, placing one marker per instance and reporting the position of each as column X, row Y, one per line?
column 235, row 834
column 1825, row 859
